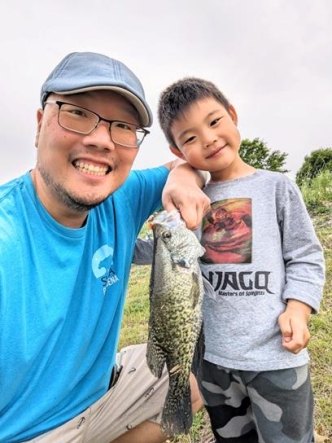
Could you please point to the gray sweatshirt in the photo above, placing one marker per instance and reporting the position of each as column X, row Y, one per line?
column 261, row 249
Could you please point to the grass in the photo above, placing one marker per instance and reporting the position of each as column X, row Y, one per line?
column 135, row 323
column 134, row 329
column 321, row 331
column 317, row 193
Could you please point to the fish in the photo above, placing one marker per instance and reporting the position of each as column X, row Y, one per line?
column 175, row 320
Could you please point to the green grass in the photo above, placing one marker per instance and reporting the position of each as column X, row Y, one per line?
column 134, row 330
column 321, row 331
column 135, row 323
column 317, row 193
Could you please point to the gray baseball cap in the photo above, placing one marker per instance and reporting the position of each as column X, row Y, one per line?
column 88, row 71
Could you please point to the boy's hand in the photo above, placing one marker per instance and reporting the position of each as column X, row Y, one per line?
column 182, row 191
column 294, row 326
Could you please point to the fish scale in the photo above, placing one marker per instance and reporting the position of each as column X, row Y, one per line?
column 176, row 292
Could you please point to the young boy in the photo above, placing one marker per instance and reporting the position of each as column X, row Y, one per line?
column 264, row 269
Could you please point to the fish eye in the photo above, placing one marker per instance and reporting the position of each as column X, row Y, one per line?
column 166, row 235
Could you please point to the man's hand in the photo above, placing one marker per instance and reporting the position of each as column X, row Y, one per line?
column 294, row 326
column 182, row 191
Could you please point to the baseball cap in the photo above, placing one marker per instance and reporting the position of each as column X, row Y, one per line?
column 88, row 71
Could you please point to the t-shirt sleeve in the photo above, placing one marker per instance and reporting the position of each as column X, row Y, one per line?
column 142, row 190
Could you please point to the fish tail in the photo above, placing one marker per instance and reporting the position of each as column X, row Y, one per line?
column 177, row 413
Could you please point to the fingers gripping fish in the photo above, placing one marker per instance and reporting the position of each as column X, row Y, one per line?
column 176, row 293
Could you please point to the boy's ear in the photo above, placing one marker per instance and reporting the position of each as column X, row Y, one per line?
column 176, row 151
column 233, row 114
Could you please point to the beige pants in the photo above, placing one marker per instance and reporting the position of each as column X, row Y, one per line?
column 137, row 396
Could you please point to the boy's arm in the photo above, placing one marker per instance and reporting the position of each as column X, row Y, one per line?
column 304, row 267
column 183, row 191
column 302, row 251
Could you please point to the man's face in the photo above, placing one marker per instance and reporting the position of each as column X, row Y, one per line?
column 75, row 172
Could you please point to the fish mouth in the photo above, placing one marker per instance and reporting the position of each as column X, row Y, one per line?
column 166, row 219
column 92, row 168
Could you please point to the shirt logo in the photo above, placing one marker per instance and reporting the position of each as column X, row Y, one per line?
column 102, row 262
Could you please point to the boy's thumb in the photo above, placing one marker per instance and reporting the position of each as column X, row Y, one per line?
column 286, row 329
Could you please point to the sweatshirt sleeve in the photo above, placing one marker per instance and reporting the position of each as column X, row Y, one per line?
column 143, row 253
column 302, row 251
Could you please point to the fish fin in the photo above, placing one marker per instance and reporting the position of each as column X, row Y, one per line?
column 177, row 415
column 180, row 260
column 199, row 352
column 155, row 357
column 195, row 289
column 208, row 289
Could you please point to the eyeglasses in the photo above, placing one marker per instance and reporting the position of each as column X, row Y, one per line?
column 83, row 121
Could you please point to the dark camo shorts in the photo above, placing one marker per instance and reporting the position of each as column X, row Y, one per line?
column 258, row 407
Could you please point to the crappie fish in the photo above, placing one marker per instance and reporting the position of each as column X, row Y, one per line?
column 176, row 294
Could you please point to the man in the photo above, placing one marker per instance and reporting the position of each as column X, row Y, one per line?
column 67, row 233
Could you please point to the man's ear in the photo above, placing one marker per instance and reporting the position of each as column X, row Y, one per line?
column 40, row 114
column 233, row 114
column 176, row 151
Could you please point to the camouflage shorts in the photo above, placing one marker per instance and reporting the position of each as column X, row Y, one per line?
column 264, row 407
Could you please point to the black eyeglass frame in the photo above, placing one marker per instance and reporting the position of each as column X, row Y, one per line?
column 138, row 128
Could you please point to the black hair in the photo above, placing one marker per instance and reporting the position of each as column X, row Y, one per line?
column 175, row 99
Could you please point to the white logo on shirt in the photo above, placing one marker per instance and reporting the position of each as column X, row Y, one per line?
column 107, row 275
column 100, row 255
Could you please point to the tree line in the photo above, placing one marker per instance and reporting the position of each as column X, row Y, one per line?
column 256, row 153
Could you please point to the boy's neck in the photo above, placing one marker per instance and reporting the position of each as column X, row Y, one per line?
column 238, row 170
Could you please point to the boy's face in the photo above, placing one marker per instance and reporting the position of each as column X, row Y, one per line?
column 207, row 137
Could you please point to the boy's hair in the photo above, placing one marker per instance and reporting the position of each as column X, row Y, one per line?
column 175, row 99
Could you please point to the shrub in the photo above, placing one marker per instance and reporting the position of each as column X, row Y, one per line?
column 317, row 161
column 317, row 192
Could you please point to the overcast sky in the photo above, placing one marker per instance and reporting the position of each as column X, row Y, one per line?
column 271, row 58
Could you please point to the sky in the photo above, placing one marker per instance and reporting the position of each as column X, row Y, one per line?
column 272, row 59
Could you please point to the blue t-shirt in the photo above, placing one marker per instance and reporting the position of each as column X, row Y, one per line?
column 62, row 293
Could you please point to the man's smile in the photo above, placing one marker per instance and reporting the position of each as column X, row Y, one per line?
column 91, row 168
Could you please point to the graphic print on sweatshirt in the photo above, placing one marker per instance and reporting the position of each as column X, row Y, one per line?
column 227, row 239
column 227, row 232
